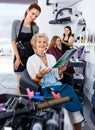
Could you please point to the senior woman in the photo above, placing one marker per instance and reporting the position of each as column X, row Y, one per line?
column 39, row 67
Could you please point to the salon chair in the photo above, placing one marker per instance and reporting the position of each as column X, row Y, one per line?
column 27, row 82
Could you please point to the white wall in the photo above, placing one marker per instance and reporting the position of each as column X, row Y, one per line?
column 86, row 6
column 89, row 14
column 88, row 10
column 9, row 12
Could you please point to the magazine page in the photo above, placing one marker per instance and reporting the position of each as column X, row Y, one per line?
column 67, row 55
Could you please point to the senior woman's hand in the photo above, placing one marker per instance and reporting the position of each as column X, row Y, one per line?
column 44, row 71
column 62, row 68
column 41, row 73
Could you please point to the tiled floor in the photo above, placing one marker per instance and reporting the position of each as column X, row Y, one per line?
column 7, row 77
column 8, row 83
column 87, row 106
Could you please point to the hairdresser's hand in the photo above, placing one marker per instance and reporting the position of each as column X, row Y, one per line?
column 17, row 63
column 44, row 71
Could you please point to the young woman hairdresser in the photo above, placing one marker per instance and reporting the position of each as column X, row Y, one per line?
column 22, row 32
column 39, row 67
column 68, row 39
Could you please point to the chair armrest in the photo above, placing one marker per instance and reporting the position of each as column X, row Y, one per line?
column 27, row 82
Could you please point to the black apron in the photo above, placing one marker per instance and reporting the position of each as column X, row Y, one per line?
column 69, row 69
column 64, row 47
column 24, row 47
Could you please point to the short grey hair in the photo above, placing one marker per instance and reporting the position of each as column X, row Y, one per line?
column 36, row 37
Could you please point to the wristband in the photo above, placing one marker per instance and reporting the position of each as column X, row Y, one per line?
column 60, row 72
column 38, row 77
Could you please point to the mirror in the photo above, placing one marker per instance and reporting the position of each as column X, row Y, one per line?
column 80, row 32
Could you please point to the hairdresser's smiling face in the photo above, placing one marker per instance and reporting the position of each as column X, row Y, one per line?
column 66, row 31
column 32, row 14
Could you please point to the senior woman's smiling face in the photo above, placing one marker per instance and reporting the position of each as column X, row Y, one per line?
column 41, row 43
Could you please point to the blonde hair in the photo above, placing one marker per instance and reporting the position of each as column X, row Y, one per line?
column 36, row 37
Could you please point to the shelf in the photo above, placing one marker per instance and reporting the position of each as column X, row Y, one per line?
column 83, row 44
column 78, row 78
column 80, row 63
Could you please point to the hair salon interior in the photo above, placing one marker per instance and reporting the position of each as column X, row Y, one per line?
column 55, row 15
